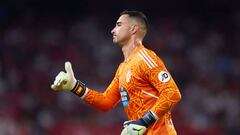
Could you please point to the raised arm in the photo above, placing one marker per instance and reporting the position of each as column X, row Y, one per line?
column 105, row 101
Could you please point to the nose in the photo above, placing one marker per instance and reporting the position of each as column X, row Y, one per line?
column 113, row 31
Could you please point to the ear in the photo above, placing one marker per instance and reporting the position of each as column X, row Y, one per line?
column 134, row 29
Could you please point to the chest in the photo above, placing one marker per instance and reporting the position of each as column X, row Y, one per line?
column 130, row 75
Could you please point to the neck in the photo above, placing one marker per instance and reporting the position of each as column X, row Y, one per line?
column 129, row 48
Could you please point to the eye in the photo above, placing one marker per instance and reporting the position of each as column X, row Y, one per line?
column 118, row 24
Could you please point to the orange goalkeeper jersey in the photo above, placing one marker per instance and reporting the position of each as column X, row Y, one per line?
column 142, row 83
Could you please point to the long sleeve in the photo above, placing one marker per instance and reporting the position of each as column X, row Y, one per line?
column 156, row 73
column 106, row 100
column 169, row 96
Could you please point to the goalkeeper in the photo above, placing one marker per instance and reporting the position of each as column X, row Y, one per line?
column 142, row 83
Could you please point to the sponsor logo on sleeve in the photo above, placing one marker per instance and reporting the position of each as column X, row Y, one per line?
column 163, row 76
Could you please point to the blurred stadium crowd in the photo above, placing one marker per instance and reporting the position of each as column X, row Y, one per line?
column 202, row 53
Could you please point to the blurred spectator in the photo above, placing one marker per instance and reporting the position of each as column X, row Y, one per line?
column 201, row 52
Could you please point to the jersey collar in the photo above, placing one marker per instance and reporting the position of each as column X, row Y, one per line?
column 137, row 49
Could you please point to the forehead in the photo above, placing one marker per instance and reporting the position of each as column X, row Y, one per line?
column 123, row 18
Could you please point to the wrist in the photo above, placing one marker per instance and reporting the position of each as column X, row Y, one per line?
column 148, row 118
column 79, row 88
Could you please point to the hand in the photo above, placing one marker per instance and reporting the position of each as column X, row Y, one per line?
column 133, row 129
column 65, row 80
column 139, row 127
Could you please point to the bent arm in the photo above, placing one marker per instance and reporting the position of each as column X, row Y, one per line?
column 169, row 94
column 104, row 101
column 169, row 97
column 160, row 78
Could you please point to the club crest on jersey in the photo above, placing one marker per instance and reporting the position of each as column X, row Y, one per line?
column 128, row 76
column 124, row 96
column 163, row 76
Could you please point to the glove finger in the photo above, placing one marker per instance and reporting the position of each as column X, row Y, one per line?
column 68, row 68
column 59, row 77
column 54, row 87
column 59, row 82
column 56, row 81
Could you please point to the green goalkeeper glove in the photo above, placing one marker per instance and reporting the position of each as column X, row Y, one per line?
column 66, row 81
column 133, row 129
column 139, row 127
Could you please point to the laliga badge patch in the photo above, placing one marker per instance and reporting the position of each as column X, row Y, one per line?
column 163, row 76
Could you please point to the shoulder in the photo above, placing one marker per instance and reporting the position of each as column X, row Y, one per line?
column 149, row 58
column 119, row 70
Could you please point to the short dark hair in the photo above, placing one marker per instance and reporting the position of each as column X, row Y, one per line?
column 138, row 15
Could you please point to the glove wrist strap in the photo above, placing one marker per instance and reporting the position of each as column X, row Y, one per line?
column 79, row 88
column 148, row 119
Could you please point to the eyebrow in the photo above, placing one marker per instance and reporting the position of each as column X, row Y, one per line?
column 118, row 23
